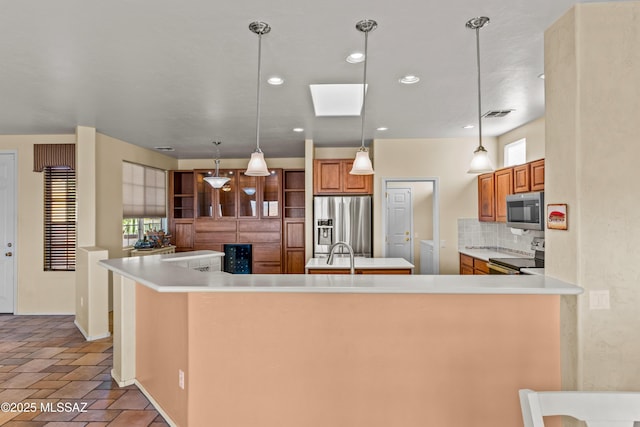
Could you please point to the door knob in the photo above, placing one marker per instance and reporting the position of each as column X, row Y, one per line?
column 407, row 239
column 8, row 254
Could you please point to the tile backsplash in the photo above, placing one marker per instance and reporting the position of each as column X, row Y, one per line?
column 495, row 235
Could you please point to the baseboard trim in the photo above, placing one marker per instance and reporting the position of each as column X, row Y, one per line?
column 155, row 404
column 119, row 381
column 90, row 337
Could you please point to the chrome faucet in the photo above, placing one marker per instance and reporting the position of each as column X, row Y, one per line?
column 346, row 245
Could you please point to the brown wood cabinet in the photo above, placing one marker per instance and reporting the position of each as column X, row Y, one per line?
column 331, row 176
column 486, row 198
column 521, row 178
column 537, row 175
column 293, row 221
column 245, row 210
column 493, row 188
column 504, row 187
column 471, row 265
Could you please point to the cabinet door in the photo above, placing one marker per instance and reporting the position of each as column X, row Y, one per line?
column 537, row 175
column 359, row 184
column 327, row 176
column 270, row 190
column 183, row 235
column 216, row 202
column 521, row 179
column 247, row 196
column 294, row 261
column 504, row 187
column 486, row 203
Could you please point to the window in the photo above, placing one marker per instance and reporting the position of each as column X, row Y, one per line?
column 143, row 201
column 515, row 153
column 59, row 219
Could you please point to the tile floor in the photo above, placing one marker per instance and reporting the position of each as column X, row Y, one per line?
column 45, row 363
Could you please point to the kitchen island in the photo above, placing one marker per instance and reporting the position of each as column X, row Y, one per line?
column 210, row 348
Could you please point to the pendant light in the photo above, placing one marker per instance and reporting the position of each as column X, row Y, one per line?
column 257, row 165
column 217, row 181
column 480, row 162
column 362, row 163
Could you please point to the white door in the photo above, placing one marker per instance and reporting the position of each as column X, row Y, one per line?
column 399, row 224
column 7, row 231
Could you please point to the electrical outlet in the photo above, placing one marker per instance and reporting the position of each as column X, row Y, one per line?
column 599, row 300
column 443, row 243
column 181, row 378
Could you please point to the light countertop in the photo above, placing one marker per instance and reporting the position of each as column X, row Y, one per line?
column 538, row 271
column 485, row 254
column 360, row 263
column 153, row 272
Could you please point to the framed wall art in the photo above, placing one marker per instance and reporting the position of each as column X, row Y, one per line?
column 557, row 216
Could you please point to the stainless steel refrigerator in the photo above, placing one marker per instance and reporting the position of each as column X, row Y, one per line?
column 342, row 219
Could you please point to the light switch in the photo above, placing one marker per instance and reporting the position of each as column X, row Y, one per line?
column 599, row 300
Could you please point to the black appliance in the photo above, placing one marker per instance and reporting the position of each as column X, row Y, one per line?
column 237, row 258
column 514, row 265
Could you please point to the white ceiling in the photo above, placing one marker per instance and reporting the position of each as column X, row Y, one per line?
column 183, row 73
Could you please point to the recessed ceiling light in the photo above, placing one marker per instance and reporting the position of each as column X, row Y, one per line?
column 541, row 76
column 382, row 128
column 275, row 80
column 164, row 148
column 409, row 79
column 298, row 129
column 355, row 58
column 468, row 127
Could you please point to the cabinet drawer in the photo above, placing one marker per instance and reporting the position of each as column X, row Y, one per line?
column 261, row 226
column 266, row 268
column 210, row 225
column 266, row 253
column 259, row 237
column 213, row 237
column 480, row 266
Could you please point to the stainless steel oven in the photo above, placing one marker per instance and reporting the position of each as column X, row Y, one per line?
column 501, row 269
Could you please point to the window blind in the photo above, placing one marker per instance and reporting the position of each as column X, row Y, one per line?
column 59, row 219
column 143, row 191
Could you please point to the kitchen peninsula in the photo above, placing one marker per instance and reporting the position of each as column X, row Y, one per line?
column 210, row 348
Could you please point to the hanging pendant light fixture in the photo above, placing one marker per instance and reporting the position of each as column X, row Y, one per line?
column 257, row 165
column 480, row 162
column 362, row 163
column 217, row 181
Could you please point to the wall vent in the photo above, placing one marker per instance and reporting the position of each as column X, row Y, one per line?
column 494, row 114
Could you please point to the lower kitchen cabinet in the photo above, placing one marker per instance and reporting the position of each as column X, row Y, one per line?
column 471, row 265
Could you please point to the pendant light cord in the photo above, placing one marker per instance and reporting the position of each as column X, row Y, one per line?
column 258, row 95
column 364, row 87
column 479, row 90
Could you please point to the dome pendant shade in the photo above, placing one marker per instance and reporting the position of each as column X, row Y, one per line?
column 481, row 163
column 362, row 164
column 216, row 181
column 257, row 165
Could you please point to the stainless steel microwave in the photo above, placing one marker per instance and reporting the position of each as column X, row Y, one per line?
column 526, row 211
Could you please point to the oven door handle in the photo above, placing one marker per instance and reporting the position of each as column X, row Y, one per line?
column 501, row 269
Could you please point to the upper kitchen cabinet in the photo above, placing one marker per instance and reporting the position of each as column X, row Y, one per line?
column 216, row 203
column 331, row 176
column 504, row 187
column 181, row 199
column 493, row 188
column 537, row 175
column 486, row 198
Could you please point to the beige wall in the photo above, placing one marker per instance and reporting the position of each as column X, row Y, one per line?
column 592, row 63
column 37, row 291
column 533, row 131
column 284, row 163
column 110, row 153
column 446, row 159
